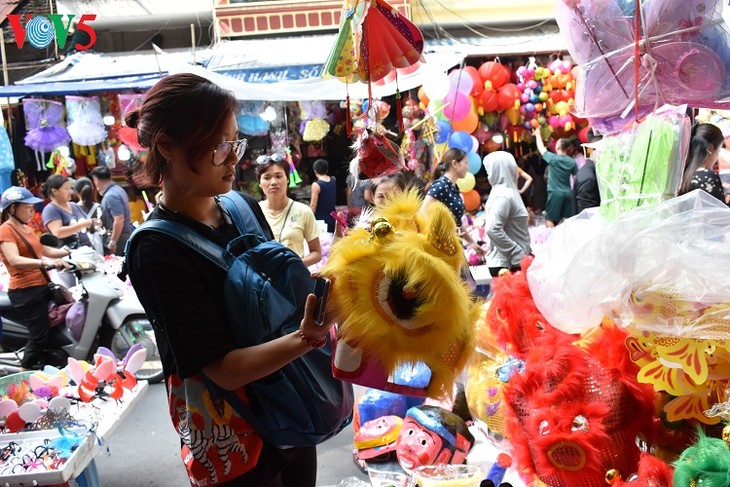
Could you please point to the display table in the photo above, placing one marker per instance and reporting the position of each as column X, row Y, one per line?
column 107, row 415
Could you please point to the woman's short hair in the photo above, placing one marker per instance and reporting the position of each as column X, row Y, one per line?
column 189, row 109
column 264, row 162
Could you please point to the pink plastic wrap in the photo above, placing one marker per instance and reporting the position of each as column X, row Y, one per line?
column 684, row 54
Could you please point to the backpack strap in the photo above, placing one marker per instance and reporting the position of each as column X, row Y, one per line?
column 182, row 233
column 242, row 214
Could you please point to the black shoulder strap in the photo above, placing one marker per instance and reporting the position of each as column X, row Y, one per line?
column 182, row 233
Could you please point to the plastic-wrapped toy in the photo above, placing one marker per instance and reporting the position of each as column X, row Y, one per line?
column 681, row 49
column 576, row 411
column 643, row 163
column 391, row 283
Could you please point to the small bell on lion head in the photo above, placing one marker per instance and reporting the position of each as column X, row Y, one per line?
column 612, row 475
column 726, row 435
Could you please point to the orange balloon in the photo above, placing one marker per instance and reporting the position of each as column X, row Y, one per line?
column 422, row 97
column 472, row 200
column 468, row 124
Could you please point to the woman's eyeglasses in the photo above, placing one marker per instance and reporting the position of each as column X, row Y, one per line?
column 221, row 153
column 265, row 159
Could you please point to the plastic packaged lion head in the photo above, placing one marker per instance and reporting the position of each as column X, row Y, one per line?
column 399, row 298
column 576, row 411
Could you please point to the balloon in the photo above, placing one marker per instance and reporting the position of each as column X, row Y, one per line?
column 468, row 124
column 472, row 200
column 437, row 85
column 460, row 140
column 508, row 95
column 477, row 83
column 466, row 183
column 513, row 115
column 460, row 81
column 474, row 141
column 422, row 96
column 489, row 100
column 474, row 162
column 444, row 131
column 459, row 106
column 435, row 108
column 562, row 108
column 494, row 73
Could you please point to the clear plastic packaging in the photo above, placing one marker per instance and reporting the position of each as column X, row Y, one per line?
column 658, row 268
column 642, row 163
column 683, row 56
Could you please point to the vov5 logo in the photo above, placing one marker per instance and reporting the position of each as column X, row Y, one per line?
column 40, row 31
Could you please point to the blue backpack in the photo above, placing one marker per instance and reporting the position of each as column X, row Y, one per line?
column 266, row 286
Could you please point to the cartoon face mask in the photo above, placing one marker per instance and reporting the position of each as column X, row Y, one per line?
column 431, row 435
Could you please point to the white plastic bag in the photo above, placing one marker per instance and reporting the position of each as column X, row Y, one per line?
column 659, row 268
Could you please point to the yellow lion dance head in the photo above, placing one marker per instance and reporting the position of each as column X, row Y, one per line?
column 398, row 294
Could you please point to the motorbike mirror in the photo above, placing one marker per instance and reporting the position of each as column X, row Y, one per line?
column 50, row 240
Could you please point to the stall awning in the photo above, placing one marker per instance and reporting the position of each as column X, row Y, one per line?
column 87, row 72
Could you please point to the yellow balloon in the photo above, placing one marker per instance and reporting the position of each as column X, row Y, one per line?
column 466, row 183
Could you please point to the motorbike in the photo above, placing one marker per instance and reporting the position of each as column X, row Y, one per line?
column 114, row 319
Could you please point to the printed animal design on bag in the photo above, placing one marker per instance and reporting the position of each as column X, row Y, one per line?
column 398, row 296
column 221, row 436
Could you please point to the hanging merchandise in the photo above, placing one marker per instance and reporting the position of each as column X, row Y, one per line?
column 85, row 124
column 637, row 58
column 249, row 121
column 373, row 43
column 314, row 127
column 643, row 163
column 44, row 119
column 128, row 135
column 375, row 156
column 59, row 163
column 374, row 39
column 7, row 162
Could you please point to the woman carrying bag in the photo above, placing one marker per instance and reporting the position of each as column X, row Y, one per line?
column 189, row 126
column 25, row 258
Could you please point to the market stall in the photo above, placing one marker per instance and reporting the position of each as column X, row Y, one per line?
column 62, row 443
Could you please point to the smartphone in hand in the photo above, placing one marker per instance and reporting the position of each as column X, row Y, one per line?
column 321, row 290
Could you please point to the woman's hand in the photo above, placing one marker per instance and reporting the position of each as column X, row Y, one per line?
column 309, row 331
column 57, row 264
column 478, row 248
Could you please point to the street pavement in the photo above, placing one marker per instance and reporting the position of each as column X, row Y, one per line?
column 145, row 450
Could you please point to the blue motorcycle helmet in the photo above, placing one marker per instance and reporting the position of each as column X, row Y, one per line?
column 16, row 194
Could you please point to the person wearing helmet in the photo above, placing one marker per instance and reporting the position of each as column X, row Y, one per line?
column 24, row 256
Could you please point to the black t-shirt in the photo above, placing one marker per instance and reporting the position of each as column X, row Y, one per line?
column 182, row 293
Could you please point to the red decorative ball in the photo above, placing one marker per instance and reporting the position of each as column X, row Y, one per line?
column 14, row 422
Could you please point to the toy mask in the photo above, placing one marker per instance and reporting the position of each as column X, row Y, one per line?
column 431, row 435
